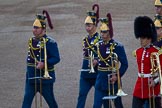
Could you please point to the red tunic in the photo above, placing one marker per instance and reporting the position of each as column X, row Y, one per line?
column 141, row 89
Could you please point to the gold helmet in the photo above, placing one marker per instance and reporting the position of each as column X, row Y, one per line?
column 92, row 16
column 106, row 24
column 158, row 21
column 40, row 20
column 158, row 2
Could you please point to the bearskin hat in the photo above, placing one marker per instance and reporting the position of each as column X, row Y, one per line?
column 144, row 27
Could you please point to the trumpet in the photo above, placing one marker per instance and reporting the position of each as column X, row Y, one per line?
column 46, row 73
column 91, row 62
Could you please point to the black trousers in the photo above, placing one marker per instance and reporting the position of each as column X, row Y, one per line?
column 139, row 103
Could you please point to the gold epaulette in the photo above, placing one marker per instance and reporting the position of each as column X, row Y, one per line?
column 96, row 40
column 83, row 40
column 160, row 51
column 30, row 40
column 134, row 53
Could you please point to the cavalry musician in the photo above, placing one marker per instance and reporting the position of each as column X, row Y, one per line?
column 158, row 22
column 158, row 25
column 89, row 65
column 158, row 43
column 158, row 7
column 42, row 52
column 147, row 86
column 106, row 48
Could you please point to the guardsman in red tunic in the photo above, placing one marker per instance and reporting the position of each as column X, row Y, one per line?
column 145, row 87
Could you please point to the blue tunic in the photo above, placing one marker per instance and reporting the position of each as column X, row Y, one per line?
column 36, row 53
column 105, row 54
column 34, row 77
column 89, row 45
column 158, row 43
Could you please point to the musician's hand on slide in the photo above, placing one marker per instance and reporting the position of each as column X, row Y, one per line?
column 151, row 82
column 95, row 62
column 113, row 78
column 40, row 65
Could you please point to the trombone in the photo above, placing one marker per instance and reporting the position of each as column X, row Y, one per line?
column 45, row 76
column 115, row 70
column 111, row 94
column 120, row 91
column 46, row 73
column 155, row 70
column 110, row 97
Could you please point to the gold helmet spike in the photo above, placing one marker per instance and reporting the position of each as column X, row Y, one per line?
column 158, row 2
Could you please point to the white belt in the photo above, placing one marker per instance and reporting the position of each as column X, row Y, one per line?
column 143, row 75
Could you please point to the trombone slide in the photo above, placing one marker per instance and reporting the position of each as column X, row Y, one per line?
column 120, row 91
column 156, row 67
column 46, row 73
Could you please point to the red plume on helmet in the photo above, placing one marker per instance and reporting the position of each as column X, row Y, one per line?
column 48, row 19
column 110, row 24
column 96, row 7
